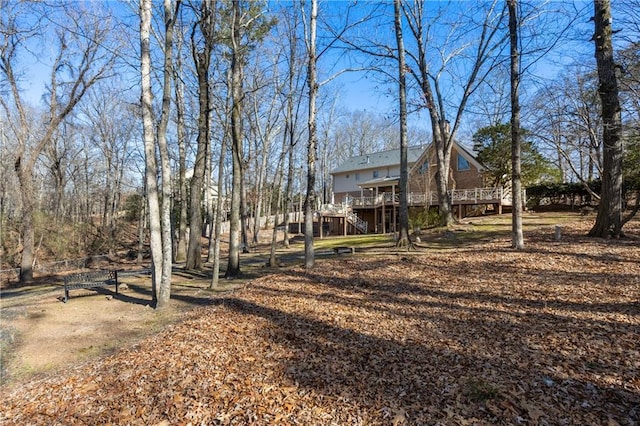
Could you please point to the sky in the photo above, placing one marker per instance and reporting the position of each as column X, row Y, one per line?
column 355, row 90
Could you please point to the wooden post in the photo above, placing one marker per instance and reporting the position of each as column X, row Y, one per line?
column 375, row 218
column 384, row 218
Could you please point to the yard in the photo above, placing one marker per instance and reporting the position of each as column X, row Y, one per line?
column 461, row 331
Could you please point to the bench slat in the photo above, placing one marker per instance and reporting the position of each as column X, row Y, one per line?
column 89, row 280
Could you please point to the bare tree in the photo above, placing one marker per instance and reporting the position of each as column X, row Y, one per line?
column 108, row 120
column 403, row 210
column 82, row 59
column 481, row 55
column 218, row 209
column 293, row 102
column 312, row 84
column 181, row 198
column 233, row 264
column 609, row 218
column 159, row 210
column 517, row 239
column 163, row 290
column 567, row 123
column 202, row 58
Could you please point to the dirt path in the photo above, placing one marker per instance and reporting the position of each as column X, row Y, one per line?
column 39, row 333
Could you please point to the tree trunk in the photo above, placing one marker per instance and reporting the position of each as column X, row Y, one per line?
column 289, row 189
column 260, row 188
column 244, row 209
column 310, row 198
column 202, row 61
column 181, row 252
column 218, row 219
column 237, row 213
column 273, row 260
column 517, row 239
column 25, row 177
column 163, row 291
column 142, row 222
column 403, row 236
column 609, row 217
column 289, row 124
column 151, row 169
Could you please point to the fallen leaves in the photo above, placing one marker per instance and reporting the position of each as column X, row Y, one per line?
column 481, row 335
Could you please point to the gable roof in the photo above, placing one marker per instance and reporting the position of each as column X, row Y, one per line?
column 461, row 150
column 379, row 159
column 470, row 157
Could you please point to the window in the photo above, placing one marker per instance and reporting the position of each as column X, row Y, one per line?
column 425, row 167
column 376, row 174
column 463, row 164
column 357, row 177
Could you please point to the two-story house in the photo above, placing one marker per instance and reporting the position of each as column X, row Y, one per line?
column 366, row 195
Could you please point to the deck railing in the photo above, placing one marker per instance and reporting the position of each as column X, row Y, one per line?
column 457, row 196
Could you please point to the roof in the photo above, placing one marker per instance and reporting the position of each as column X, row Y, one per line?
column 385, row 181
column 470, row 157
column 379, row 159
column 464, row 152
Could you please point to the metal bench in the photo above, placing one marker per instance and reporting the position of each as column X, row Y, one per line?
column 89, row 280
column 344, row 249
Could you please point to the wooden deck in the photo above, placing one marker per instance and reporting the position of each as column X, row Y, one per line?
column 458, row 196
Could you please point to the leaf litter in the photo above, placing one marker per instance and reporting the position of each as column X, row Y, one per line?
column 477, row 335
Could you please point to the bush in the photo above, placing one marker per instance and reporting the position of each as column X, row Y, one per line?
column 420, row 218
column 133, row 207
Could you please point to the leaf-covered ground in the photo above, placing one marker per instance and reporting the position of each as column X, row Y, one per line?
column 477, row 335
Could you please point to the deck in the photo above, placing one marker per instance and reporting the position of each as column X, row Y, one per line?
column 458, row 196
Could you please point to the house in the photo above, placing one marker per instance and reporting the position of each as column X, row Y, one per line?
column 366, row 189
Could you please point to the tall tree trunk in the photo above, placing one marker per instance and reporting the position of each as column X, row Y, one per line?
column 218, row 219
column 244, row 209
column 25, row 179
column 403, row 236
column 181, row 252
column 289, row 134
column 517, row 239
column 142, row 222
column 237, row 210
column 202, row 61
column 609, row 217
column 273, row 260
column 310, row 198
column 443, row 156
column 151, row 168
column 164, row 286
column 260, row 188
column 194, row 247
column 289, row 188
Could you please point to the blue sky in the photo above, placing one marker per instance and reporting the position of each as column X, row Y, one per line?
column 357, row 91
